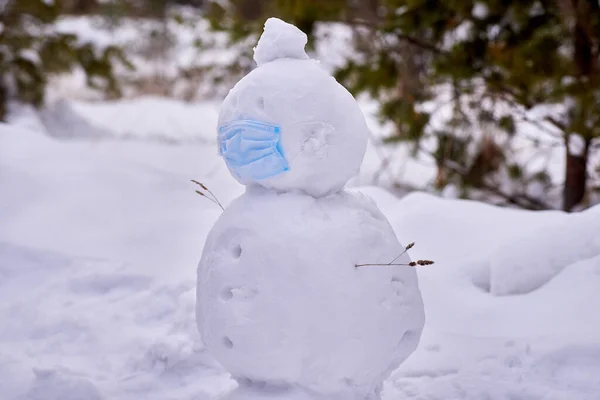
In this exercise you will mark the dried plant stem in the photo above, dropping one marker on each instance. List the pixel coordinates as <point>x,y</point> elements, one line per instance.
<point>208,198</point>
<point>212,196</point>
<point>407,248</point>
<point>391,263</point>
<point>410,264</point>
<point>379,265</point>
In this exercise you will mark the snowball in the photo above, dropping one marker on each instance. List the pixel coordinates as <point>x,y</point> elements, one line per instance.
<point>323,131</point>
<point>279,299</point>
<point>280,40</point>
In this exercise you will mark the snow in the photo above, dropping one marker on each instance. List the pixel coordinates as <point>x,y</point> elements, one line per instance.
<point>525,264</point>
<point>280,40</point>
<point>323,131</point>
<point>149,117</point>
<point>281,301</point>
<point>183,42</point>
<point>100,241</point>
<point>480,10</point>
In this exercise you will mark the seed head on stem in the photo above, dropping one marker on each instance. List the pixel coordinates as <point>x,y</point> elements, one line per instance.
<point>209,194</point>
<point>391,263</point>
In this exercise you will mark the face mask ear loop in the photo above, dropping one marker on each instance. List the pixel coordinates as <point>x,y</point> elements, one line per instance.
<point>280,147</point>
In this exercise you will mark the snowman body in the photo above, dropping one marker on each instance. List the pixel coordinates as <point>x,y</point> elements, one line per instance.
<point>280,301</point>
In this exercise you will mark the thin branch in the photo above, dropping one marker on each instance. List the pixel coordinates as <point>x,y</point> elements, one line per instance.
<point>212,197</point>
<point>208,198</point>
<point>407,248</point>
<point>391,263</point>
<point>505,95</point>
<point>399,35</point>
<point>419,43</point>
<point>410,264</point>
<point>556,123</point>
<point>521,200</point>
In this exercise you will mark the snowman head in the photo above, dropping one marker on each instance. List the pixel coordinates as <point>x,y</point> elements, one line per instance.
<point>288,125</point>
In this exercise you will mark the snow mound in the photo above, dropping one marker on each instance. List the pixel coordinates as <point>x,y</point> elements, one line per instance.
<point>61,114</point>
<point>532,260</point>
<point>280,40</point>
<point>280,299</point>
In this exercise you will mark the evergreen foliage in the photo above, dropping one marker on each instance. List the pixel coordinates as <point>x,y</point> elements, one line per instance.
<point>32,51</point>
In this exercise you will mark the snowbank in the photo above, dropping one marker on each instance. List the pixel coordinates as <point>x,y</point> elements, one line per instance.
<point>533,259</point>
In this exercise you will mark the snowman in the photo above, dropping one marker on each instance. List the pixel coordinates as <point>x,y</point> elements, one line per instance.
<point>280,301</point>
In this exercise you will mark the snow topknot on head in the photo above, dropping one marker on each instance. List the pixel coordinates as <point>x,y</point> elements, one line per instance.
<point>280,40</point>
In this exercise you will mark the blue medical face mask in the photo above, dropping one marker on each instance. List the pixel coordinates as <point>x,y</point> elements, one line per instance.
<point>252,149</point>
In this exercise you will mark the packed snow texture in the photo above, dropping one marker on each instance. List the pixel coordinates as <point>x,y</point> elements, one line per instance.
<point>280,40</point>
<point>323,131</point>
<point>281,301</point>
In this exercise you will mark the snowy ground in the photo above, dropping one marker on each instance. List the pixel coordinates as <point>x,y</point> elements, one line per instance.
<point>99,241</point>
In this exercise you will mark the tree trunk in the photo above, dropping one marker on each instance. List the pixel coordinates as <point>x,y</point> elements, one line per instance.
<point>3,102</point>
<point>575,177</point>
<point>585,63</point>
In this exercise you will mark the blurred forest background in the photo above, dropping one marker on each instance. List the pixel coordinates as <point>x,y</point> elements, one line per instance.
<point>490,90</point>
